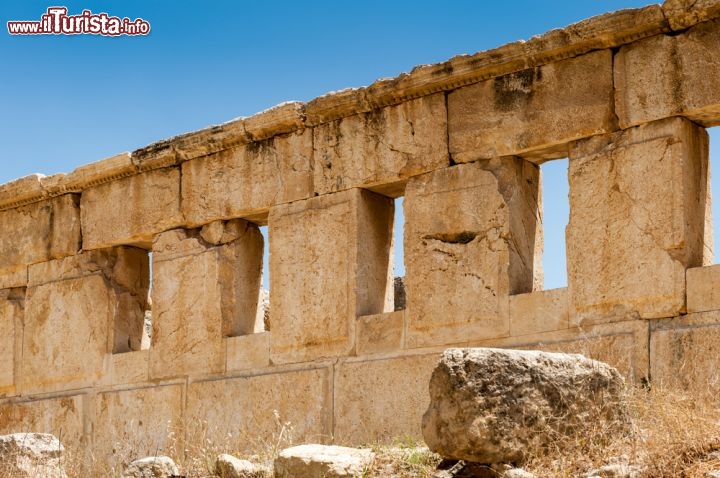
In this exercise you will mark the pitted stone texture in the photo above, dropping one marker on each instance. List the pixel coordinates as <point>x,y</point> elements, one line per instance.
<point>381,146</point>
<point>57,416</point>
<point>312,461</point>
<point>471,236</point>
<point>684,13</point>
<point>12,302</point>
<point>499,406</point>
<point>248,179</point>
<point>142,206</point>
<point>202,293</point>
<point>534,111</point>
<point>31,455</point>
<point>35,233</point>
<point>152,467</point>
<point>664,76</point>
<point>380,332</point>
<point>637,211</point>
<point>227,466</point>
<point>329,263</point>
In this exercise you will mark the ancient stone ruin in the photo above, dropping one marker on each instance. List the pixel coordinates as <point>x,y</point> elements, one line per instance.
<point>625,96</point>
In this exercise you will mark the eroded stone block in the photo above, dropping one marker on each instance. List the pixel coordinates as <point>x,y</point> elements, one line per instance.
<point>470,238</point>
<point>202,293</point>
<point>637,211</point>
<point>684,13</point>
<point>248,351</point>
<point>248,179</point>
<point>380,332</point>
<point>131,210</point>
<point>533,110</point>
<point>12,303</point>
<point>539,311</point>
<point>37,232</point>
<point>131,367</point>
<point>329,263</point>
<point>703,289</point>
<point>62,417</point>
<point>381,146</point>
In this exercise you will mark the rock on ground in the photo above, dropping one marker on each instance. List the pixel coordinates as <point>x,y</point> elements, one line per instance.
<point>312,461</point>
<point>498,406</point>
<point>31,455</point>
<point>152,467</point>
<point>228,466</point>
<point>615,471</point>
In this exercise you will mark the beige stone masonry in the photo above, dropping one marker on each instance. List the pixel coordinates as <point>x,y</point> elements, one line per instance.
<point>248,352</point>
<point>11,331</point>
<point>128,368</point>
<point>703,288</point>
<point>141,207</point>
<point>329,264</point>
<point>533,112</point>
<point>61,416</point>
<point>666,76</point>
<point>470,233</point>
<point>248,179</point>
<point>380,333</point>
<point>685,13</point>
<point>637,211</point>
<point>382,146</point>
<point>35,233</point>
<point>202,293</point>
<point>539,311</point>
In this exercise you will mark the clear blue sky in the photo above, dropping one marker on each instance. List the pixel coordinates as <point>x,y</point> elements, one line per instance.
<point>71,100</point>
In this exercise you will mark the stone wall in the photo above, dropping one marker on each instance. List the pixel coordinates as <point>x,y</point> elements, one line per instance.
<point>625,96</point>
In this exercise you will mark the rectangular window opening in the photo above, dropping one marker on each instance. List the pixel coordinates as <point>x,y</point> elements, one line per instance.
<point>711,227</point>
<point>554,216</point>
<point>262,317</point>
<point>398,256</point>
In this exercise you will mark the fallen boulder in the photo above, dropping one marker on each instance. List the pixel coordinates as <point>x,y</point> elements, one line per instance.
<point>152,467</point>
<point>31,455</point>
<point>312,461</point>
<point>228,466</point>
<point>498,406</point>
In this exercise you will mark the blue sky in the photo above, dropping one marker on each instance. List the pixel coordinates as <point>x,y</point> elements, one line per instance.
<point>71,100</point>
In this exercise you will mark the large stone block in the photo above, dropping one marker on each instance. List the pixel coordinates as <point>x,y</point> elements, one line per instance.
<point>539,311</point>
<point>534,111</point>
<point>470,238</point>
<point>12,303</point>
<point>381,147</point>
<point>202,293</point>
<point>378,400</point>
<point>329,263</point>
<point>248,352</point>
<point>703,288</point>
<point>684,13</point>
<point>665,76</point>
<point>380,333</point>
<point>35,233</point>
<point>131,210</point>
<point>637,211</point>
<point>293,405</point>
<point>62,417</point>
<point>248,179</point>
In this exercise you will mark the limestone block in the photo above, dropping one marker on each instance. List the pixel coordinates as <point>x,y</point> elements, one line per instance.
<point>329,263</point>
<point>684,351</point>
<point>539,311</point>
<point>29,455</point>
<point>131,210</point>
<point>62,417</point>
<point>202,293</point>
<point>533,110</point>
<point>328,461</point>
<point>665,76</point>
<point>684,13</point>
<point>470,238</point>
<point>248,179</point>
<point>703,289</point>
<point>248,351</point>
<point>637,211</point>
<point>37,232</point>
<point>131,367</point>
<point>380,332</point>
<point>11,331</point>
<point>152,466</point>
<point>381,146</point>
<point>246,413</point>
<point>140,422</point>
<point>227,466</point>
<point>378,400</point>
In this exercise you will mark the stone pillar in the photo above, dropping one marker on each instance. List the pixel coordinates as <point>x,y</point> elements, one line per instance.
<point>205,287</point>
<point>12,303</point>
<point>470,241</point>
<point>329,263</point>
<point>638,202</point>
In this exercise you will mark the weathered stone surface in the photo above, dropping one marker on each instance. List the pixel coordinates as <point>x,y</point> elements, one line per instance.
<point>539,311</point>
<point>283,118</point>
<point>380,332</point>
<point>131,367</point>
<point>37,232</point>
<point>286,404</point>
<point>665,76</point>
<point>61,417</point>
<point>143,206</point>
<point>470,233</point>
<point>31,455</point>
<point>227,466</point>
<point>329,263</point>
<point>368,405</point>
<point>141,421</point>
<point>248,179</point>
<point>382,146</point>
<point>534,110</point>
<point>311,461</point>
<point>202,293</point>
<point>683,353</point>
<point>637,211</point>
<point>248,351</point>
<point>12,303</point>
<point>152,467</point>
<point>703,288</point>
<point>684,13</point>
<point>499,406</point>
